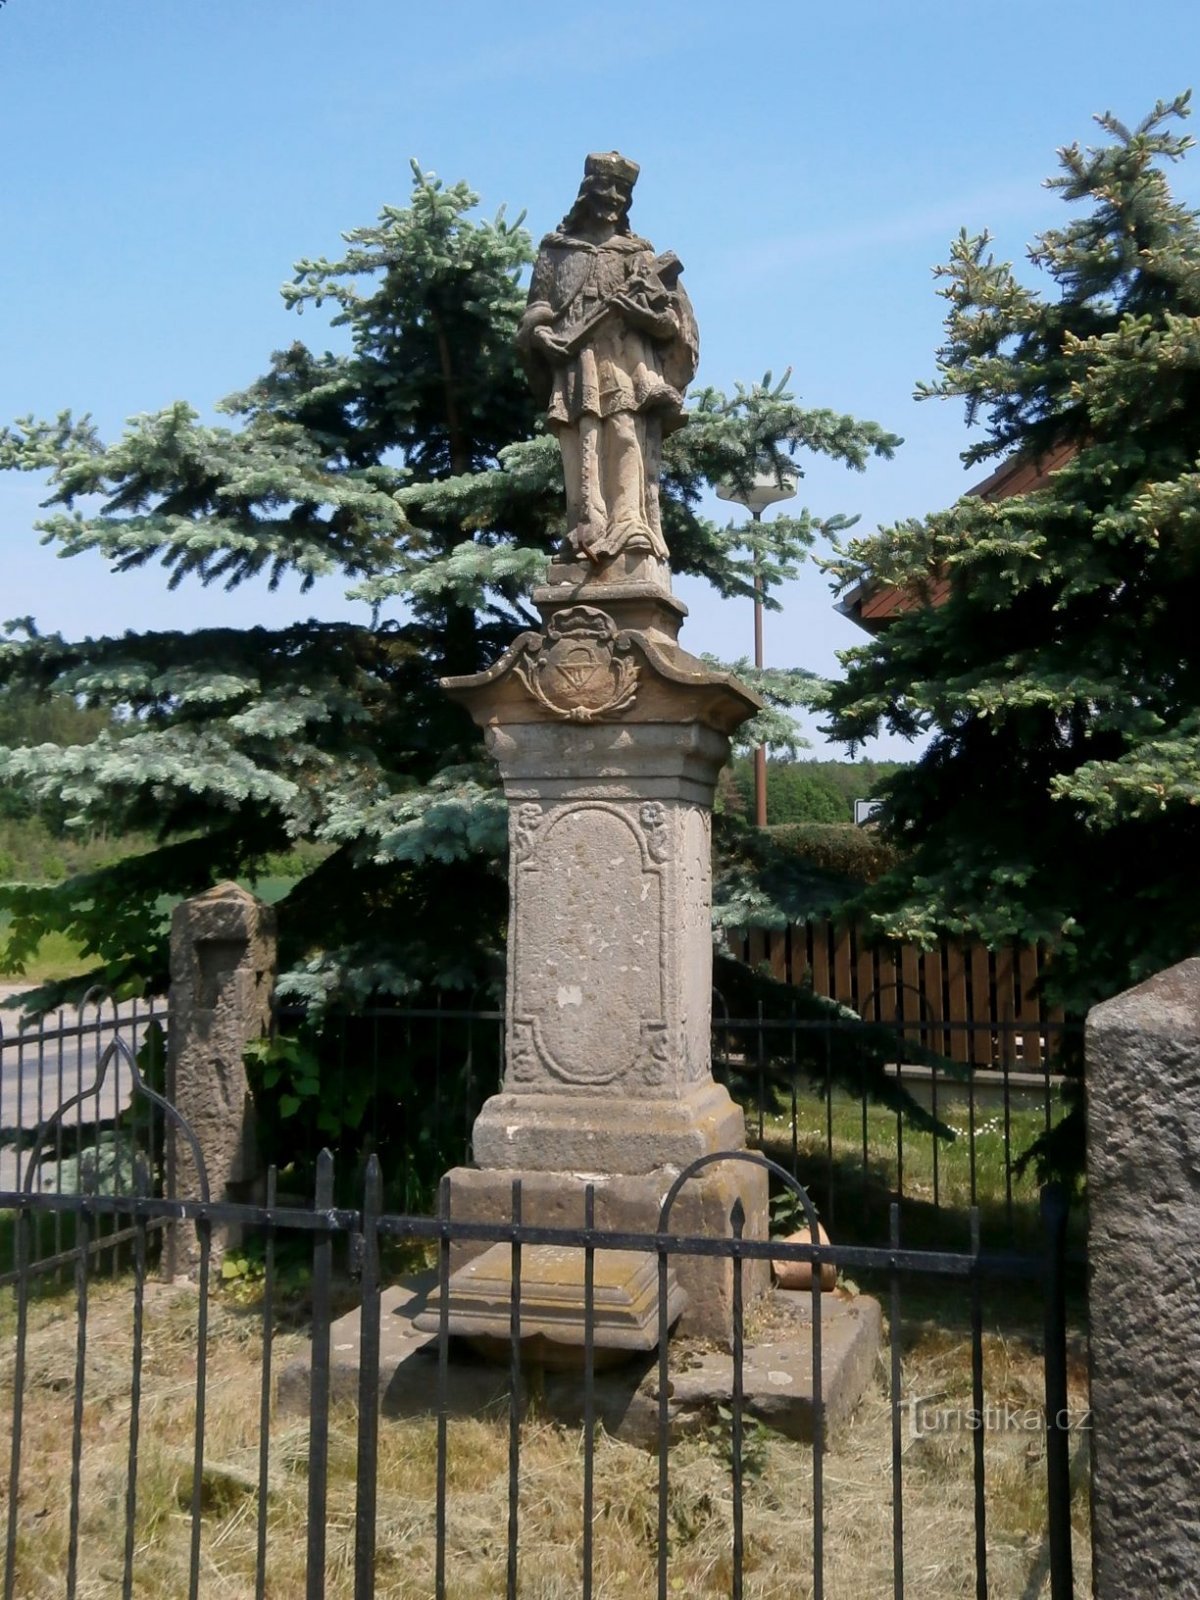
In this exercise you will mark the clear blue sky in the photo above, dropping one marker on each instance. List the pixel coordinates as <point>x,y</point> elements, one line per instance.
<point>166,163</point>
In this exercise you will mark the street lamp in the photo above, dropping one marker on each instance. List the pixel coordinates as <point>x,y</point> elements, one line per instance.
<point>764,489</point>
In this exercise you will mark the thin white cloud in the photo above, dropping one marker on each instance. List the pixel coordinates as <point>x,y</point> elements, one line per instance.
<point>936,222</point>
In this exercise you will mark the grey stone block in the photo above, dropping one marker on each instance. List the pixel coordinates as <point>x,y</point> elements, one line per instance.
<point>1143,1061</point>
<point>222,974</point>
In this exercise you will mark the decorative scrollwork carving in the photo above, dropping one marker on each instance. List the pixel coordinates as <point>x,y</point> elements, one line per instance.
<point>582,669</point>
<point>526,821</point>
<point>656,1054</point>
<point>654,824</point>
<point>524,1058</point>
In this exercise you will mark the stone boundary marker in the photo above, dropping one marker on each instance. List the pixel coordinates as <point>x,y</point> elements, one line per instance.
<point>1143,1063</point>
<point>222,974</point>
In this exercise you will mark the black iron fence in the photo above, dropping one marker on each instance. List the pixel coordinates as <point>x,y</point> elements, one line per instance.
<point>110,1477</point>
<point>367,1228</point>
<point>862,1113</point>
<point>865,1113</point>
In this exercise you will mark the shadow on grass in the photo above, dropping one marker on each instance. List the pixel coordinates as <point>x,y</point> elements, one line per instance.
<point>856,1210</point>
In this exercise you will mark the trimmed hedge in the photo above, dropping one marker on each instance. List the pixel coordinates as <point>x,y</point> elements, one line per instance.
<point>839,848</point>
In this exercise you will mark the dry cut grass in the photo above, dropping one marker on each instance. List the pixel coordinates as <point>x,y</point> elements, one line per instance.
<point>937,1482</point>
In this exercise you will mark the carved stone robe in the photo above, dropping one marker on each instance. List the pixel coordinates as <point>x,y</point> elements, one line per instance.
<point>614,371</point>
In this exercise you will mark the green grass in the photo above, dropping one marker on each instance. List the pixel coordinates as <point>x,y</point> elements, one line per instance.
<point>30,852</point>
<point>934,1335</point>
<point>60,956</point>
<point>937,1178</point>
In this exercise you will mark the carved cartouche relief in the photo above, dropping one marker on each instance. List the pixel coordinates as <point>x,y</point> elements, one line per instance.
<point>590,948</point>
<point>654,825</point>
<point>581,668</point>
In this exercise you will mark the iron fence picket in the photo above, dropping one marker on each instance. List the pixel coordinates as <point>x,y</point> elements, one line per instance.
<point>1008,1166</point>
<point>135,1400</point>
<point>895,1326</point>
<point>204,1239</point>
<point>21,1245</point>
<point>443,1383</point>
<point>368,1387</point>
<point>737,1223</point>
<point>1058,1434</point>
<point>829,1184</point>
<point>977,1415</point>
<point>514,1396</point>
<point>318,1416</point>
<point>264,1397</point>
<point>664,1423</point>
<point>589,1387</point>
<point>82,1232</point>
<point>818,1409</point>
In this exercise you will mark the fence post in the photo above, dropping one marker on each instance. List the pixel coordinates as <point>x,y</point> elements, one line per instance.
<point>1143,1073</point>
<point>222,974</point>
<point>1058,1424</point>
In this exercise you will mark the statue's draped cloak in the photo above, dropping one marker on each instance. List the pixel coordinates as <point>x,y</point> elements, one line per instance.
<point>617,368</point>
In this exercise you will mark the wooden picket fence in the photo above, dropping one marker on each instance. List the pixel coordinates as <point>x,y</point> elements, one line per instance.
<point>969,1003</point>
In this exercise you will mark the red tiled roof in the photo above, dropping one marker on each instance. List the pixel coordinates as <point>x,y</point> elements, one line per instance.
<point>873,604</point>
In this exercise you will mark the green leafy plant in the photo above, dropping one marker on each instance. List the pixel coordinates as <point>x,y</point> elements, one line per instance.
<point>288,1067</point>
<point>756,1439</point>
<point>788,1214</point>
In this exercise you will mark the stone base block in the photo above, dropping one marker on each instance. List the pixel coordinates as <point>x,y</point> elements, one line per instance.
<point>553,1302</point>
<point>627,1204</point>
<point>539,1132</point>
<point>777,1372</point>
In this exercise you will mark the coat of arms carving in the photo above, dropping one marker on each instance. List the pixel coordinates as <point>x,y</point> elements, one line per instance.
<point>581,669</point>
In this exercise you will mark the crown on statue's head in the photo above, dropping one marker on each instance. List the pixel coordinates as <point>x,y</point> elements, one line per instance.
<point>611,164</point>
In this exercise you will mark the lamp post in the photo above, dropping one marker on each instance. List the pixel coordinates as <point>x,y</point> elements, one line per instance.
<point>765,489</point>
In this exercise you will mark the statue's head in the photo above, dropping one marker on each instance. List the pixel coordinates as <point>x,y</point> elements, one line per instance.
<point>605,195</point>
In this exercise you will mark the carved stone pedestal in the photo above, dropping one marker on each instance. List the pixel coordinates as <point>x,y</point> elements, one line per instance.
<point>609,738</point>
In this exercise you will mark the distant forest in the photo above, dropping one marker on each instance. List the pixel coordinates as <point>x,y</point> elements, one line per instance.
<point>802,791</point>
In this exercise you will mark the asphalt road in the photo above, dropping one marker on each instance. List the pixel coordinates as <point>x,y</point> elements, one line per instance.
<point>41,1070</point>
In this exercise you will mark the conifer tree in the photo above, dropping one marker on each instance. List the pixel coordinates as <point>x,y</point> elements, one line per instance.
<point>413,464</point>
<point>1059,798</point>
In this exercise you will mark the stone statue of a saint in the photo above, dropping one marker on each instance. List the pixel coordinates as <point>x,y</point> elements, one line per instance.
<point>610,342</point>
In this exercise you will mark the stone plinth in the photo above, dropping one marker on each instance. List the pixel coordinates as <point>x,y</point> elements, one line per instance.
<point>777,1373</point>
<point>627,1203</point>
<point>624,1303</point>
<point>609,741</point>
<point>222,973</point>
<point>609,738</point>
<point>1143,1074</point>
